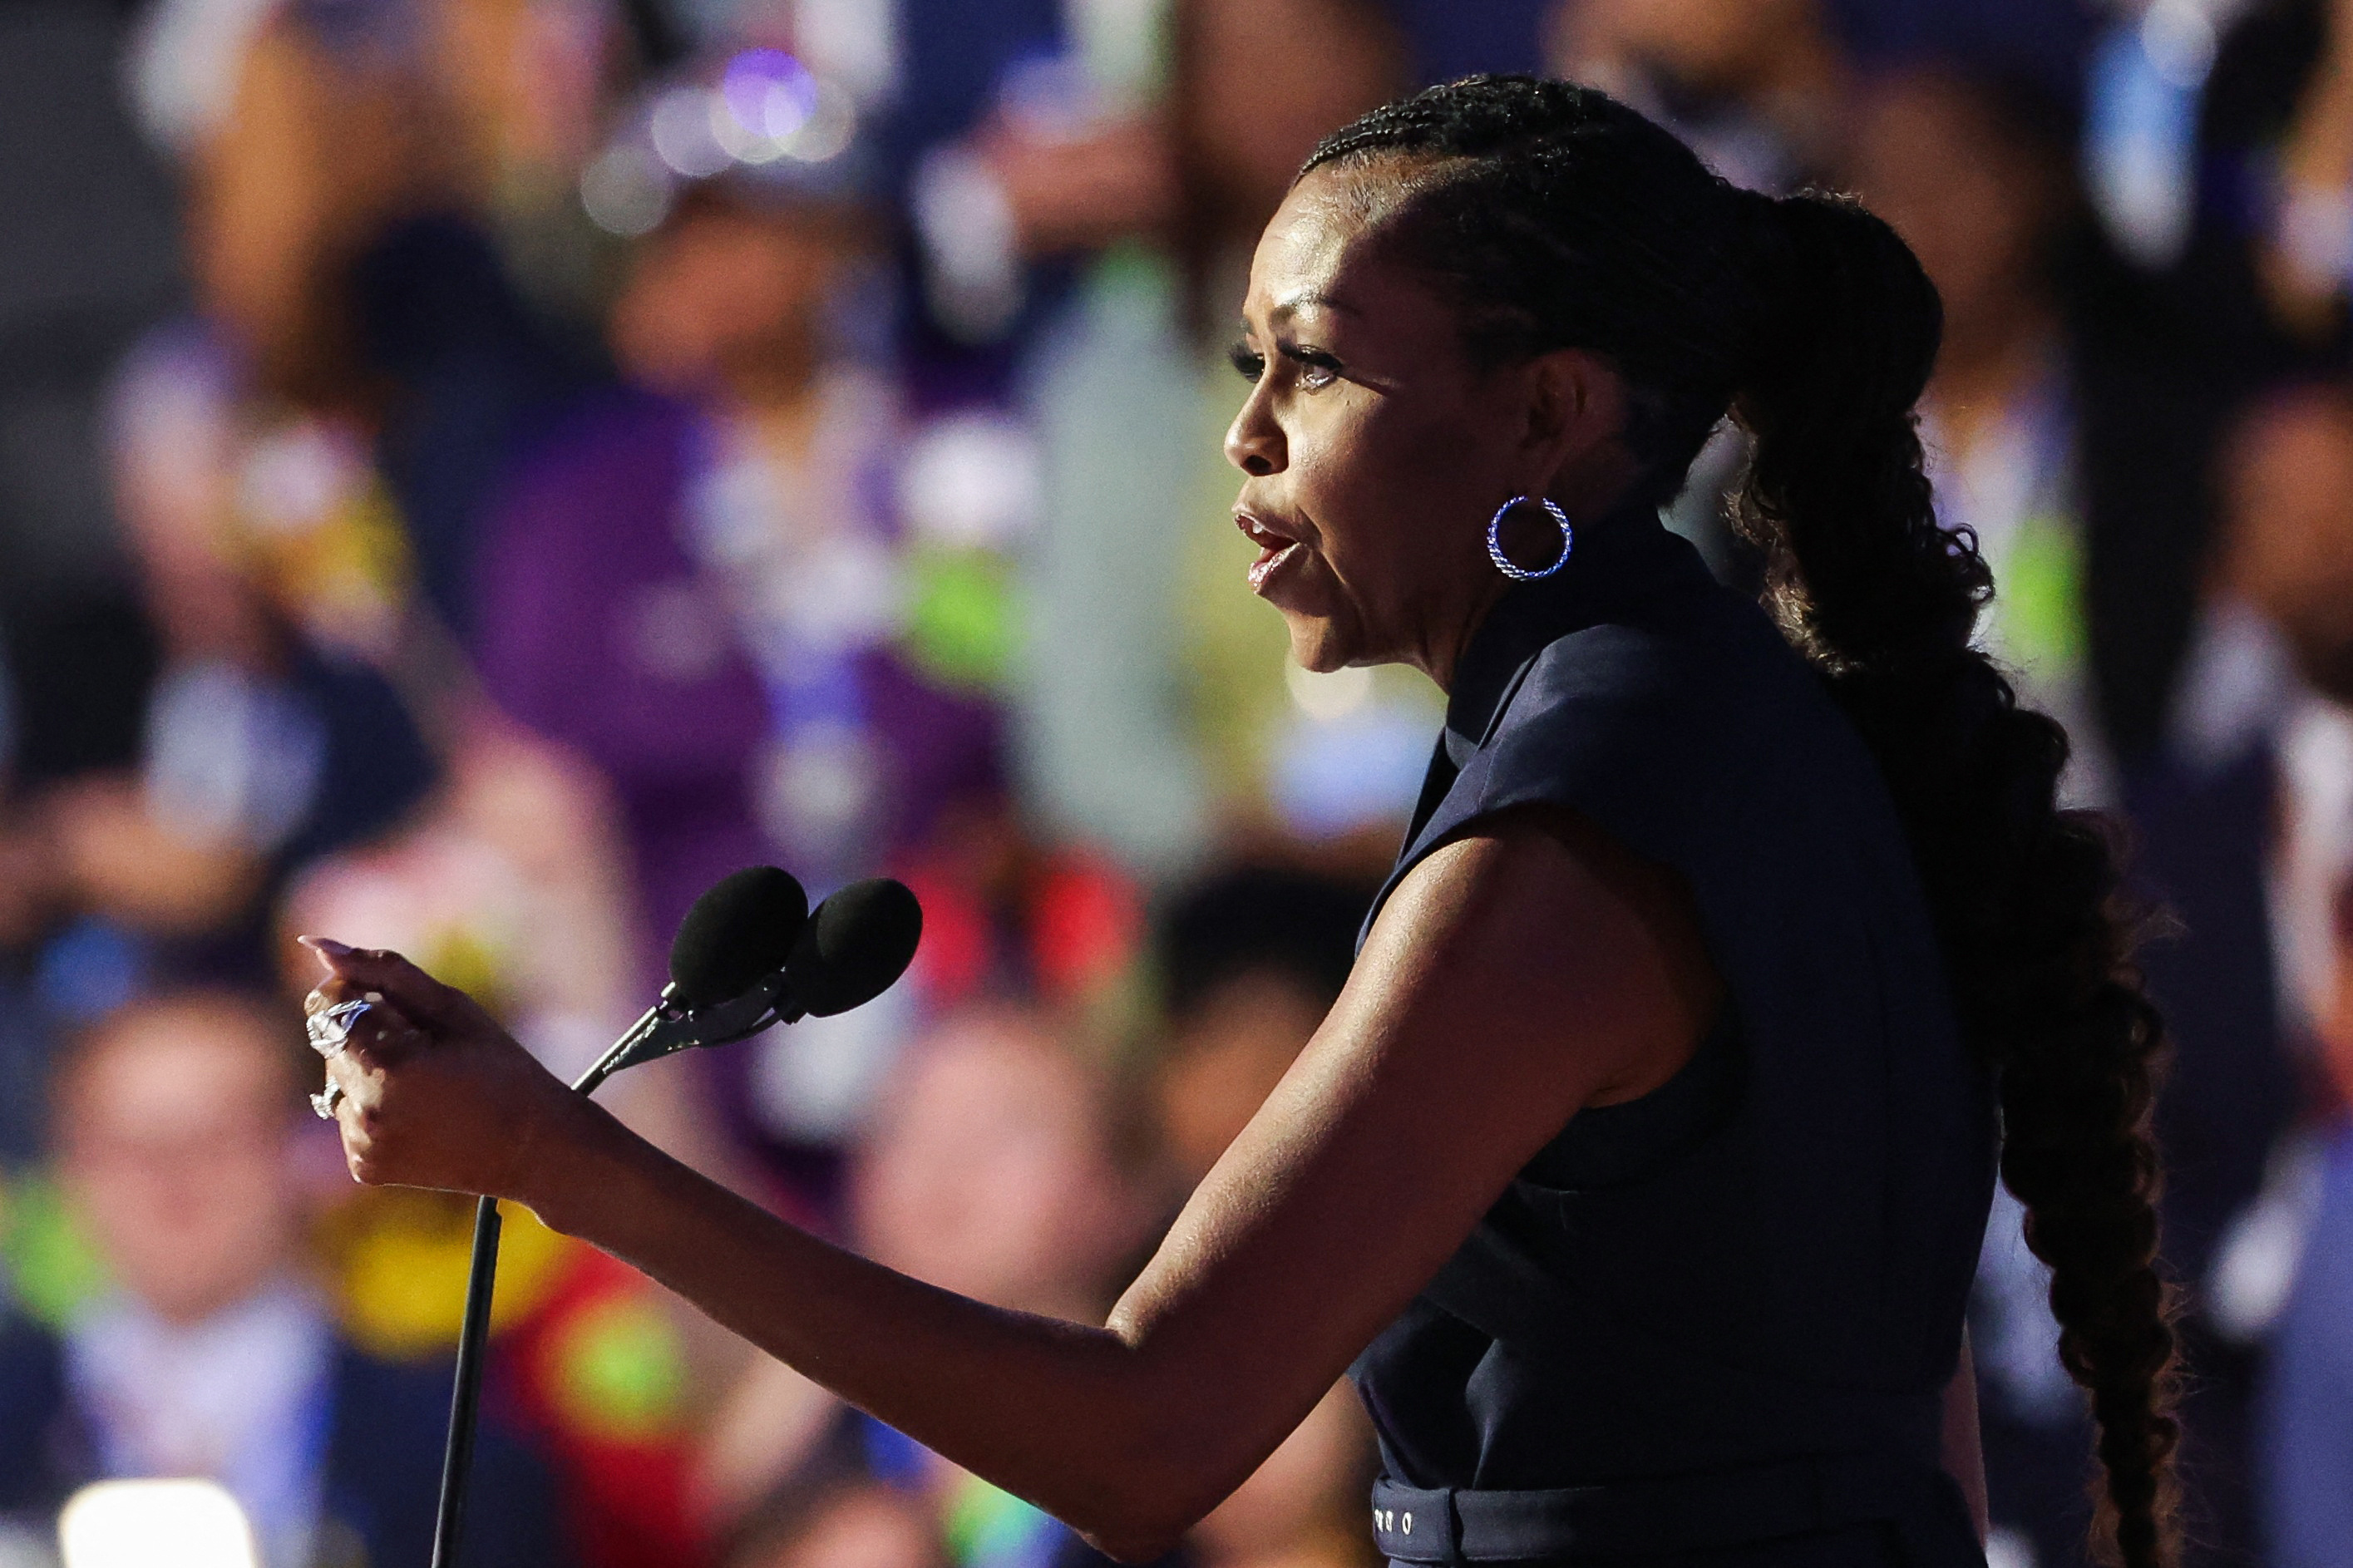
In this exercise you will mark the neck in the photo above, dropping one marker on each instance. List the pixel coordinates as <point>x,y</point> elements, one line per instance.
<point>1442,655</point>
<point>781,412</point>
<point>775,378</point>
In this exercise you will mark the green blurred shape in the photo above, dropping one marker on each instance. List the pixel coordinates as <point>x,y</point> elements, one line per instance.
<point>620,1370</point>
<point>986,1524</point>
<point>960,625</point>
<point>53,1270</point>
<point>2041,597</point>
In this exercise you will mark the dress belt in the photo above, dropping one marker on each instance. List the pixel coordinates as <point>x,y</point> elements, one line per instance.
<point>1682,1513</point>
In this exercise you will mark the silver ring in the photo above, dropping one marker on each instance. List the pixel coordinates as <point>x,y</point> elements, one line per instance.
<point>331,1028</point>
<point>326,1099</point>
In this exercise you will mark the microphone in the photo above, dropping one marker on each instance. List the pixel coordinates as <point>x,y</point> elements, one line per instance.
<point>749,953</point>
<point>853,949</point>
<point>726,969</point>
<point>736,933</point>
<point>746,958</point>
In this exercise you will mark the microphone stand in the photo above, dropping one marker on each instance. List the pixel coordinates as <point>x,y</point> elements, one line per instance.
<point>665,1027</point>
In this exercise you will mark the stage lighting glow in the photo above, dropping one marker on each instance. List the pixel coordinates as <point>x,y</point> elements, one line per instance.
<point>625,191</point>
<point>832,122</point>
<point>154,1524</point>
<point>769,94</point>
<point>681,125</point>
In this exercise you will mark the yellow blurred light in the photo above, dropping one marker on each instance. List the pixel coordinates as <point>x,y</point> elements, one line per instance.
<point>154,1524</point>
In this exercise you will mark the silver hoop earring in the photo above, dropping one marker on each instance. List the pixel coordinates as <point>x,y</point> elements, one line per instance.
<point>1504,563</point>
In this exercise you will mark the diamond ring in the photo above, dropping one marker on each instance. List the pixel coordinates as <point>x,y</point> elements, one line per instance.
<point>330,1028</point>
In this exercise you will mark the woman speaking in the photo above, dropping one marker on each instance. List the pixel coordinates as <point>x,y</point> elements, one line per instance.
<point>1639,1174</point>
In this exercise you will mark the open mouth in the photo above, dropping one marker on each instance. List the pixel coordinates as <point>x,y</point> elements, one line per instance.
<point>1273,549</point>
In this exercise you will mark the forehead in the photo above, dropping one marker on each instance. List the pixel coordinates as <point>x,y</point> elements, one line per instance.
<point>170,1064</point>
<point>993,1062</point>
<point>1321,249</point>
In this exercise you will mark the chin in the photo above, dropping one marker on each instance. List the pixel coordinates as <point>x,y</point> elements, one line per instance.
<point>1316,646</point>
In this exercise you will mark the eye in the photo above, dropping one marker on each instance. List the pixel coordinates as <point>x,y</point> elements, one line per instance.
<point>1249,366</point>
<point>1317,369</point>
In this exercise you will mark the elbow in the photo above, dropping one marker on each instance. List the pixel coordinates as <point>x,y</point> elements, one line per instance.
<point>1136,1549</point>
<point>1147,1517</point>
<point>1138,1538</point>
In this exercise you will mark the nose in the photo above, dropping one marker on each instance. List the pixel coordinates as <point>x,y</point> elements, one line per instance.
<point>1254,441</point>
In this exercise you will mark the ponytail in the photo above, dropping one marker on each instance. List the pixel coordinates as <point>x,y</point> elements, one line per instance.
<point>2026,895</point>
<point>1556,217</point>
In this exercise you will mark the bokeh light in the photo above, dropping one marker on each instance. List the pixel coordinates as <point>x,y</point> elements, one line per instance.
<point>154,1524</point>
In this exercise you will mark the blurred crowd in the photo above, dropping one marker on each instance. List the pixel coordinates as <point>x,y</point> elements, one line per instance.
<point>474,471</point>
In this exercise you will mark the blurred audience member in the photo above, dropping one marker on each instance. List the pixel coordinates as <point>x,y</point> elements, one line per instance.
<point>2304,252</point>
<point>177,756</point>
<point>1238,148</point>
<point>2288,556</point>
<point>773,611</point>
<point>1068,156</point>
<point>1250,959</point>
<point>1757,87</point>
<point>334,238</point>
<point>508,881</point>
<point>710,585</point>
<point>2213,147</point>
<point>2308,1440</point>
<point>1000,1165</point>
<point>177,1129</point>
<point>1974,171</point>
<point>995,1166</point>
<point>2249,841</point>
<point>272,735</point>
<point>2277,674</point>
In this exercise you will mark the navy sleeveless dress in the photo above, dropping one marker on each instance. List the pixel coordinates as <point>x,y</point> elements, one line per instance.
<point>1714,1324</point>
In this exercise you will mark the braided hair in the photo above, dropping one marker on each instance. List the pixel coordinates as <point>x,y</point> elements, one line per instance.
<point>1554,216</point>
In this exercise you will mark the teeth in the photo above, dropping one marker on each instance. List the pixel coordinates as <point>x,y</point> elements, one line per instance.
<point>1264,567</point>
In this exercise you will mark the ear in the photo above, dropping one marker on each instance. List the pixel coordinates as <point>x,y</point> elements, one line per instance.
<point>1576,405</point>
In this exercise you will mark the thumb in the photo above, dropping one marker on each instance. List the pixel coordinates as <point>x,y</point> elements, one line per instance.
<point>409,988</point>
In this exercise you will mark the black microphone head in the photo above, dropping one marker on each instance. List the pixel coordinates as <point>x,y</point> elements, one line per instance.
<point>858,941</point>
<point>736,935</point>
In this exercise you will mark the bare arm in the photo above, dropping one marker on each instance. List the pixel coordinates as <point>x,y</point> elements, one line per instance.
<point>1516,977</point>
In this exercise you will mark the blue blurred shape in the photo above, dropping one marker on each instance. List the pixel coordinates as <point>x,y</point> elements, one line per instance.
<point>90,969</point>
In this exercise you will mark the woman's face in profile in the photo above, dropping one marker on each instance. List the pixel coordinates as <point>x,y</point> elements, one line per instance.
<point>1373,451</point>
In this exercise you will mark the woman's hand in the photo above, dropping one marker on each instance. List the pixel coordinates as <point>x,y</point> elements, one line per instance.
<point>433,1092</point>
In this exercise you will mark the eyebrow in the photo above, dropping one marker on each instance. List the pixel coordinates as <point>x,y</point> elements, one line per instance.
<point>1299,302</point>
